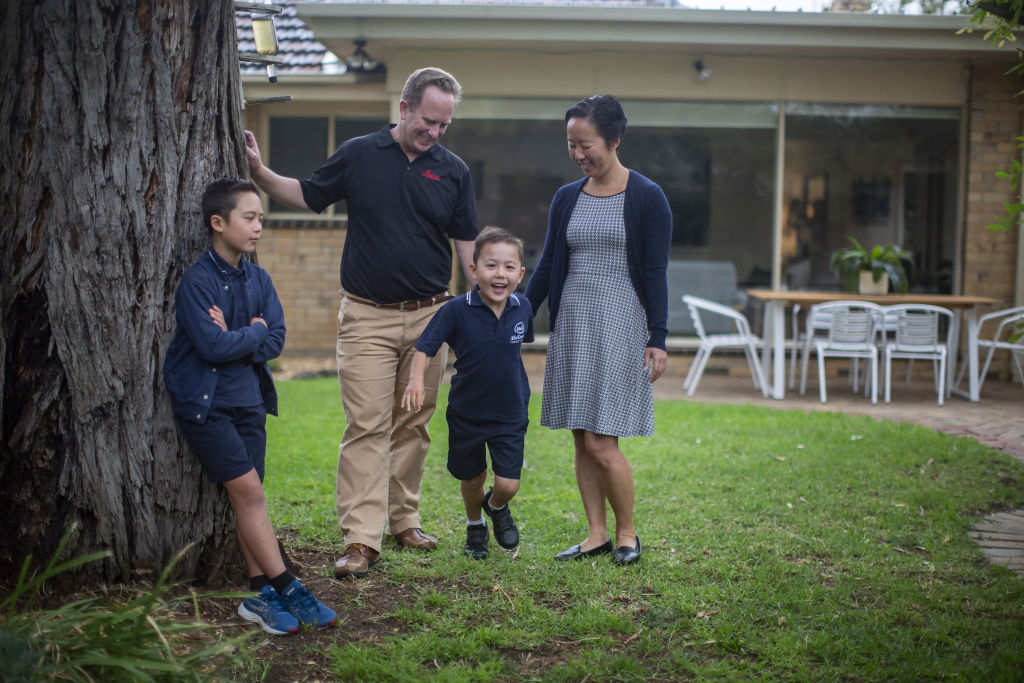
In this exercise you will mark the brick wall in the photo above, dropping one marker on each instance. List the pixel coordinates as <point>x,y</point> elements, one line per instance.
<point>989,265</point>
<point>990,257</point>
<point>303,258</point>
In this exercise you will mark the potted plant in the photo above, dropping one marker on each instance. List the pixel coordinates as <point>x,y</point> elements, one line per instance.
<point>870,272</point>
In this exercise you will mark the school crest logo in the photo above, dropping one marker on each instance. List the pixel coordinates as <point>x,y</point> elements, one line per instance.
<point>518,332</point>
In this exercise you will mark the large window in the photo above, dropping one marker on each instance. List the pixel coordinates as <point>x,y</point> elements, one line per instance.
<point>715,163</point>
<point>300,144</point>
<point>880,174</point>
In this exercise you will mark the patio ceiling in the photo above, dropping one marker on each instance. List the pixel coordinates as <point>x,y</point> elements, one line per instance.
<point>390,27</point>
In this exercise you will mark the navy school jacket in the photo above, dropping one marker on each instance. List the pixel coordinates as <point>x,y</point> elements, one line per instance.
<point>199,345</point>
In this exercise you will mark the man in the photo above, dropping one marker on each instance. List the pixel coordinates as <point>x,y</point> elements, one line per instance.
<point>406,196</point>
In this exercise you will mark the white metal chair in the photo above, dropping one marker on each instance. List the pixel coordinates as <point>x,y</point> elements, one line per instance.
<point>817,323</point>
<point>916,335</point>
<point>741,338</point>
<point>1008,319</point>
<point>815,328</point>
<point>852,334</point>
<point>887,333</point>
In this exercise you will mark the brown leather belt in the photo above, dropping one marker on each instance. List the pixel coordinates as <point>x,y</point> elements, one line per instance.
<point>410,305</point>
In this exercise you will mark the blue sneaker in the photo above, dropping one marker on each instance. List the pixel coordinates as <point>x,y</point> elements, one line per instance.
<point>267,610</point>
<point>307,609</point>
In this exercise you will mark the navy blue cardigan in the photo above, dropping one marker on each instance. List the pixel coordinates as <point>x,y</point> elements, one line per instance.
<point>199,345</point>
<point>648,222</point>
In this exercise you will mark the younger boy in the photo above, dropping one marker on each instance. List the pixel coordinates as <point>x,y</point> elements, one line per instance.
<point>490,393</point>
<point>229,324</point>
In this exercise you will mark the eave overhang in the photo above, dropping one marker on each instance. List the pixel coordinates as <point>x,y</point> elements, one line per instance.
<point>565,30</point>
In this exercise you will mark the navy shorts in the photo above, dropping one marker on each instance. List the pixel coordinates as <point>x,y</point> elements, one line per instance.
<point>231,442</point>
<point>467,437</point>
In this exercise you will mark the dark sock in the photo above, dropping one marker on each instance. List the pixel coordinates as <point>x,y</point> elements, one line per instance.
<point>281,582</point>
<point>256,583</point>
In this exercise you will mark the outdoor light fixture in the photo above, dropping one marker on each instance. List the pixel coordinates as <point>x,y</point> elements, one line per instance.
<point>703,70</point>
<point>265,35</point>
<point>360,61</point>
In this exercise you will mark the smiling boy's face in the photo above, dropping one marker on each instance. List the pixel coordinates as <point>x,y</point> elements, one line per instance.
<point>239,233</point>
<point>498,271</point>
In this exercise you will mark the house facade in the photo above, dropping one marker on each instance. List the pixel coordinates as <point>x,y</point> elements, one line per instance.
<point>776,136</point>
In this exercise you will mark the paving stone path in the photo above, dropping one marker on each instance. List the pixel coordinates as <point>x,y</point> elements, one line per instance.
<point>1001,537</point>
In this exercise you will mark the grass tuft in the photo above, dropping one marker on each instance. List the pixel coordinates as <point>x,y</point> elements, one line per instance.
<point>141,638</point>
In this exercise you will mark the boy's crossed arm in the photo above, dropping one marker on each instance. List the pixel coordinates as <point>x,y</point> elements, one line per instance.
<point>217,316</point>
<point>412,399</point>
<point>214,342</point>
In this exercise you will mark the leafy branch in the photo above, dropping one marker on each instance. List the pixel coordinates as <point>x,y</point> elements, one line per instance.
<point>1001,19</point>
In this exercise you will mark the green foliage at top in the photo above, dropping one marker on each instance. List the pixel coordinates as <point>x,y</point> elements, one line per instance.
<point>847,263</point>
<point>778,545</point>
<point>1000,19</point>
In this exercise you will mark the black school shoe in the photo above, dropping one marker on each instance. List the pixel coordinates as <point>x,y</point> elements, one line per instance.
<point>505,531</point>
<point>627,555</point>
<point>476,541</point>
<point>575,553</point>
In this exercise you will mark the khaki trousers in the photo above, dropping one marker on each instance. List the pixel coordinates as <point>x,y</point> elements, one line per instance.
<point>384,448</point>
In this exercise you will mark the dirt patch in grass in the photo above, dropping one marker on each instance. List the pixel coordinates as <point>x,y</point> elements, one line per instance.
<point>363,605</point>
<point>364,608</point>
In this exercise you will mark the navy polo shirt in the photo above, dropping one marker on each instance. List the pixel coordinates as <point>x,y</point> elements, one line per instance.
<point>400,215</point>
<point>490,381</point>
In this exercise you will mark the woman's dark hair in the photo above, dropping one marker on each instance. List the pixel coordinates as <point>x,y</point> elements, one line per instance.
<point>221,197</point>
<point>605,112</point>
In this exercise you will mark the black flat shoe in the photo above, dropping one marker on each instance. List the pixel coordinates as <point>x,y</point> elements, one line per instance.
<point>626,555</point>
<point>575,553</point>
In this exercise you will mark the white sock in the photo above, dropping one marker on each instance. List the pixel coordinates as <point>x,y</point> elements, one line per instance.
<point>479,522</point>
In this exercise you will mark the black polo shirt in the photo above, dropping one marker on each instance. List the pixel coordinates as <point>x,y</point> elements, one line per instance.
<point>490,381</point>
<point>400,215</point>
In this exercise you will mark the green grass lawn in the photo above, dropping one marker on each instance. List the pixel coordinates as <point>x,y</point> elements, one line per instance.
<point>777,544</point>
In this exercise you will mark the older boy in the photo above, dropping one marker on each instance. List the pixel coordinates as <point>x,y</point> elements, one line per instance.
<point>229,324</point>
<point>490,392</point>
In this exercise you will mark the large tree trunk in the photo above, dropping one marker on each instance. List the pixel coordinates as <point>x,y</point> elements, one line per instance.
<point>114,115</point>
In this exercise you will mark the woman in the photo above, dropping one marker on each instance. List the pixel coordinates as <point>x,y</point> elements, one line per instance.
<point>603,274</point>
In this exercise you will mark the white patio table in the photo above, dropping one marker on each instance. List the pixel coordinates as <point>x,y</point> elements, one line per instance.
<point>773,358</point>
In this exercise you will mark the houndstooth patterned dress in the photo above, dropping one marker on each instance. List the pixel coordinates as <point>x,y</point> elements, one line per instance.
<point>594,377</point>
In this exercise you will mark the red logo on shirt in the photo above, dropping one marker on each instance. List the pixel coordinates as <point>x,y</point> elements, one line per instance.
<point>432,176</point>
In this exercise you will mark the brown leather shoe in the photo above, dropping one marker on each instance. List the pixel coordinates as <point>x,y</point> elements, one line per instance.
<point>355,562</point>
<point>415,539</point>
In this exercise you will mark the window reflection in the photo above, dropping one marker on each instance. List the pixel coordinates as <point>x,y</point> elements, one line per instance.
<point>883,175</point>
<point>718,181</point>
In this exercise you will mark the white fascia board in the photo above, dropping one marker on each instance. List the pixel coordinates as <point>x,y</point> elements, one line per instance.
<point>570,28</point>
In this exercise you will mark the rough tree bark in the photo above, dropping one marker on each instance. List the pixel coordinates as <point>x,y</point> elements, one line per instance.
<point>120,113</point>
